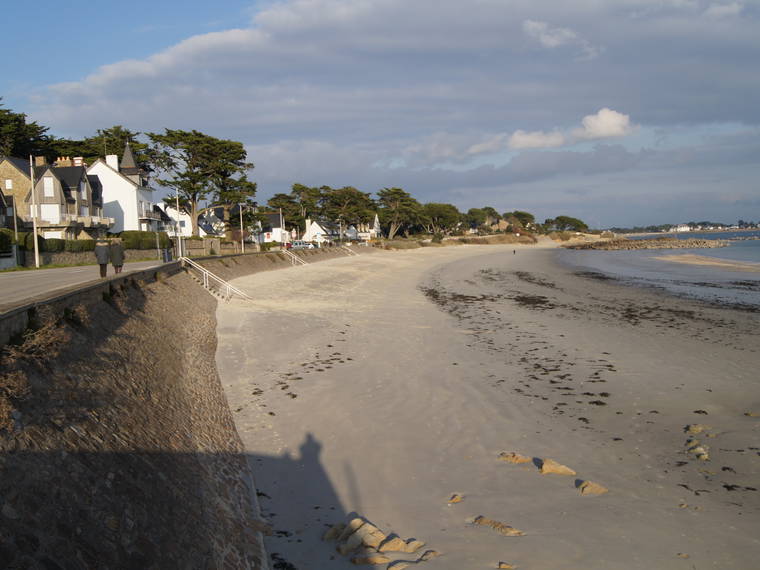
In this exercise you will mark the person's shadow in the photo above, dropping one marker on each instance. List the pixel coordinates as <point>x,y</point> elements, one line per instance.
<point>300,503</point>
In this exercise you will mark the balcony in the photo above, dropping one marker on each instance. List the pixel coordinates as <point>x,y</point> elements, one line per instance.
<point>63,220</point>
<point>150,216</point>
<point>95,221</point>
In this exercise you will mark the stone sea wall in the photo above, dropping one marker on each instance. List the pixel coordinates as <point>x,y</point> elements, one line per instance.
<point>658,243</point>
<point>117,446</point>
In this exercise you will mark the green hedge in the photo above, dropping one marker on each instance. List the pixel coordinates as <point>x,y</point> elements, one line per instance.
<point>143,240</point>
<point>6,240</point>
<point>54,245</point>
<point>78,245</point>
<point>26,241</point>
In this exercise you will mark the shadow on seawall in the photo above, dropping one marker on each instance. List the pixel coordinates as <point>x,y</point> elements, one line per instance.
<point>117,447</point>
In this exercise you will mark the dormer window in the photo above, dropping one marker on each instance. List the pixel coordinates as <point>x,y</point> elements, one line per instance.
<point>47,187</point>
<point>82,190</point>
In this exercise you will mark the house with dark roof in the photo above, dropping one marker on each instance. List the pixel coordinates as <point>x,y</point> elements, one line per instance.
<point>209,223</point>
<point>128,197</point>
<point>65,201</point>
<point>15,184</point>
<point>273,229</point>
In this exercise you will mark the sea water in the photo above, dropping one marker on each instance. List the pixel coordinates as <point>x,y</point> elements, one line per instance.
<point>710,283</point>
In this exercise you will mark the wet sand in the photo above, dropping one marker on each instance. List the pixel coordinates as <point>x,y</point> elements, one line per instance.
<point>729,265</point>
<point>382,385</point>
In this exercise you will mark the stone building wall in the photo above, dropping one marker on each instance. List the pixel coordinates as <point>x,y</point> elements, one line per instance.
<point>83,257</point>
<point>21,186</point>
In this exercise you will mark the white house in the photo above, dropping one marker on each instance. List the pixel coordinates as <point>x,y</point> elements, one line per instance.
<point>273,229</point>
<point>185,225</point>
<point>127,197</point>
<point>209,224</point>
<point>367,232</point>
<point>319,232</point>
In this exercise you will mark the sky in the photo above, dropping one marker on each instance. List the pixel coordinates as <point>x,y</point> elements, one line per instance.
<point>617,112</point>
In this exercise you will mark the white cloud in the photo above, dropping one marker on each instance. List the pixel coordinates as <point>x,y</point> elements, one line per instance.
<point>724,10</point>
<point>551,38</point>
<point>490,144</point>
<point>536,139</point>
<point>604,124</point>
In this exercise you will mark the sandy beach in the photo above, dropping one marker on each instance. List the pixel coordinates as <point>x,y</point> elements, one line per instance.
<point>384,384</point>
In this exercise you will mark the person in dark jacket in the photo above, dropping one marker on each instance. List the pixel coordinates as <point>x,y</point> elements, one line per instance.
<point>103,255</point>
<point>117,255</point>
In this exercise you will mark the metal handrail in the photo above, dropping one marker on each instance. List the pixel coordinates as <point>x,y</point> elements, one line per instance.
<point>208,277</point>
<point>294,259</point>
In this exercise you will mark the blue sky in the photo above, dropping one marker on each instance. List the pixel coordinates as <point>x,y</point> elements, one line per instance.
<point>619,112</point>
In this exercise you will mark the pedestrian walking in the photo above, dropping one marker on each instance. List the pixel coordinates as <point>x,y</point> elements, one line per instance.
<point>117,255</point>
<point>103,255</point>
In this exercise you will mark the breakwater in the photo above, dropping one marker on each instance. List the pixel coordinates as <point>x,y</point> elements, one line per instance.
<point>117,446</point>
<point>658,243</point>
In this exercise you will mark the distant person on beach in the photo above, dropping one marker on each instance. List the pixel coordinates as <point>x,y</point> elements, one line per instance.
<point>117,255</point>
<point>514,252</point>
<point>103,255</point>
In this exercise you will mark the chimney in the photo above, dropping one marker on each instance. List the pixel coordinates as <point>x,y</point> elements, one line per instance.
<point>40,161</point>
<point>63,161</point>
<point>113,161</point>
<point>78,161</point>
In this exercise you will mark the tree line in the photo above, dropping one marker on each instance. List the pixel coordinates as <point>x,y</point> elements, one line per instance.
<point>400,213</point>
<point>206,172</point>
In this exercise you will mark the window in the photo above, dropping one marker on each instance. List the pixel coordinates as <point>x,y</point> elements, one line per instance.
<point>83,190</point>
<point>8,184</point>
<point>47,185</point>
<point>9,211</point>
<point>85,211</point>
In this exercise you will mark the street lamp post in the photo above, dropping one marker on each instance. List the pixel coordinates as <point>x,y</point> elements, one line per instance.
<point>34,215</point>
<point>176,228</point>
<point>242,232</point>
<point>15,219</point>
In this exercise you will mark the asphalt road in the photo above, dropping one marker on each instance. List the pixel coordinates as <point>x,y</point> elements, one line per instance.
<point>16,287</point>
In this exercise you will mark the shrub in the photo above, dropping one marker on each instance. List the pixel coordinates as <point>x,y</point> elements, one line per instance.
<point>130,239</point>
<point>77,245</point>
<point>6,240</point>
<point>147,241</point>
<point>28,241</point>
<point>54,245</point>
<point>437,237</point>
<point>133,239</point>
